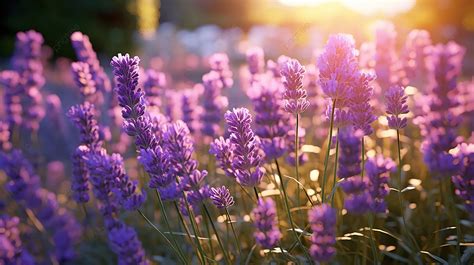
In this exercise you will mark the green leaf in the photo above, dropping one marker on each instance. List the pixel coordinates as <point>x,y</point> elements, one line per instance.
<point>409,188</point>
<point>438,259</point>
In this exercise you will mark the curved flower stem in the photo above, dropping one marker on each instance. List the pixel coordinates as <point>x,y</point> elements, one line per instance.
<point>326,159</point>
<point>297,161</point>
<point>237,242</point>
<point>372,238</point>
<point>256,193</point>
<point>183,259</point>
<point>400,197</point>
<point>287,207</point>
<point>186,228</point>
<point>224,252</point>
<point>333,192</point>
<point>208,231</point>
<point>362,148</point>
<point>195,229</point>
<point>167,223</point>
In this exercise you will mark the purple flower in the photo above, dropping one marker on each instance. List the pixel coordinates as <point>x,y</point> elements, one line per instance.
<point>83,117</point>
<point>221,197</point>
<point>84,81</point>
<point>213,104</point>
<point>223,150</point>
<point>295,95</point>
<point>271,120</point>
<point>125,243</point>
<point>11,249</point>
<point>360,109</point>
<point>13,90</point>
<point>80,176</point>
<point>154,84</point>
<point>358,199</point>
<point>416,55</point>
<point>385,55</point>
<point>190,109</point>
<point>322,219</point>
<point>338,67</point>
<point>349,153</point>
<point>86,54</point>
<point>255,60</point>
<point>24,187</point>
<point>247,163</point>
<point>5,144</point>
<point>464,179</point>
<point>265,220</point>
<point>396,106</point>
<point>219,63</point>
<point>378,171</point>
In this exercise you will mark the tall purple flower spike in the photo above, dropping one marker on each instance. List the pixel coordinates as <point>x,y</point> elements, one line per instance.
<point>385,56</point>
<point>322,219</point>
<point>255,60</point>
<point>248,162</point>
<point>223,150</point>
<point>396,106</point>
<point>265,220</point>
<point>125,243</point>
<point>295,96</point>
<point>361,112</point>
<point>11,247</point>
<point>338,67</point>
<point>221,197</point>
<point>219,63</point>
<point>154,84</point>
<point>378,171</point>
<point>464,179</point>
<point>213,104</point>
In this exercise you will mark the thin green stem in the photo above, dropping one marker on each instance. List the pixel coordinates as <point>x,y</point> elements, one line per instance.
<point>167,223</point>
<point>297,162</point>
<point>186,228</point>
<point>456,220</point>
<point>208,231</point>
<point>287,207</point>
<point>372,238</point>
<point>237,242</point>
<point>256,193</point>
<point>326,159</point>
<point>362,147</point>
<point>224,252</point>
<point>335,169</point>
<point>163,235</point>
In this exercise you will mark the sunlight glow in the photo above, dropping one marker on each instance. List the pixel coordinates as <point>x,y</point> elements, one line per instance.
<point>367,7</point>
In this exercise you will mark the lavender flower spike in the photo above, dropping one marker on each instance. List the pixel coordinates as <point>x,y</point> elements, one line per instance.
<point>295,95</point>
<point>11,249</point>
<point>221,197</point>
<point>125,243</point>
<point>265,219</point>
<point>338,67</point>
<point>222,149</point>
<point>322,219</point>
<point>361,112</point>
<point>464,179</point>
<point>378,171</point>
<point>247,163</point>
<point>396,106</point>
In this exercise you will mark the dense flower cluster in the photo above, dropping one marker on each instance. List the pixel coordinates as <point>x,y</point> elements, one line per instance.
<point>385,56</point>
<point>265,220</point>
<point>396,106</point>
<point>378,171</point>
<point>361,112</point>
<point>464,179</point>
<point>213,104</point>
<point>322,219</point>
<point>295,95</point>
<point>221,197</point>
<point>11,249</point>
<point>154,84</point>
<point>219,63</point>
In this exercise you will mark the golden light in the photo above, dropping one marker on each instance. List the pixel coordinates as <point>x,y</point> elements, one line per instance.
<point>367,7</point>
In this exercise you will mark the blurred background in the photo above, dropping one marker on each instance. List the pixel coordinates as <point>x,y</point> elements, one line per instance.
<point>151,26</point>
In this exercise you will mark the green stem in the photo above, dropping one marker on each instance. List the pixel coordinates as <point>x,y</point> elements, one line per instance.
<point>456,220</point>
<point>237,242</point>
<point>256,193</point>
<point>372,241</point>
<point>287,207</point>
<point>326,159</point>
<point>195,229</point>
<point>362,147</point>
<point>208,231</point>
<point>186,228</point>
<point>167,223</point>
<point>297,162</point>
<point>224,252</point>
<point>163,235</point>
<point>335,169</point>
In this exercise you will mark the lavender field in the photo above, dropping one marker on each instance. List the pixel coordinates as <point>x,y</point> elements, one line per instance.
<point>202,147</point>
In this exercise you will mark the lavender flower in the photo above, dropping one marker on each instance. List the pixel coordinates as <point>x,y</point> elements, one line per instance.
<point>80,176</point>
<point>385,57</point>
<point>349,154</point>
<point>84,81</point>
<point>360,109</point>
<point>213,104</point>
<point>10,80</point>
<point>271,120</point>
<point>221,197</point>
<point>11,249</point>
<point>295,95</point>
<point>24,187</point>
<point>154,84</point>
<point>219,63</point>
<point>86,54</point>
<point>83,118</point>
<point>247,163</point>
<point>396,106</point>
<point>255,60</point>
<point>378,171</point>
<point>265,220</point>
<point>223,150</point>
<point>125,243</point>
<point>464,179</point>
<point>190,109</point>
<point>5,144</point>
<point>322,219</point>
<point>358,199</point>
<point>416,56</point>
<point>338,67</point>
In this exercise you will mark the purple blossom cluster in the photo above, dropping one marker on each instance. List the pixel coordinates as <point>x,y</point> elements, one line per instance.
<point>295,97</point>
<point>154,85</point>
<point>221,197</point>
<point>464,179</point>
<point>11,248</point>
<point>396,106</point>
<point>378,171</point>
<point>219,63</point>
<point>213,104</point>
<point>265,220</point>
<point>322,219</point>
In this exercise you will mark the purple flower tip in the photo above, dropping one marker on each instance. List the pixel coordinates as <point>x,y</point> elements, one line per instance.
<point>221,197</point>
